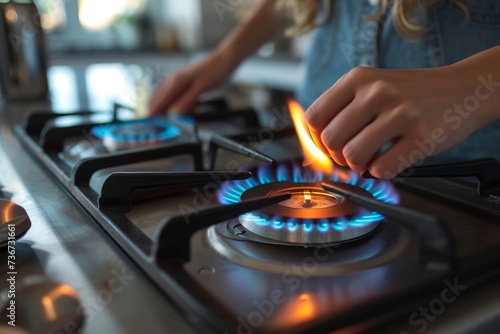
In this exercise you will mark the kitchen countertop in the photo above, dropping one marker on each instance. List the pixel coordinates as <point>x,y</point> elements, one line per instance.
<point>280,71</point>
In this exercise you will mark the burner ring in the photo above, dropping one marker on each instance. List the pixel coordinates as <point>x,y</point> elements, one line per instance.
<point>311,216</point>
<point>136,133</point>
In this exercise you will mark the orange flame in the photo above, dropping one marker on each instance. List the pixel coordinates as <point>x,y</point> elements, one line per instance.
<point>298,310</point>
<point>313,156</point>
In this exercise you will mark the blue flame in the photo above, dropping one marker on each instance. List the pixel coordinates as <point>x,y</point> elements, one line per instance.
<point>381,190</point>
<point>149,130</point>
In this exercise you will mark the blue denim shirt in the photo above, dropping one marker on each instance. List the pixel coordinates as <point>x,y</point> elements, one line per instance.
<point>348,40</point>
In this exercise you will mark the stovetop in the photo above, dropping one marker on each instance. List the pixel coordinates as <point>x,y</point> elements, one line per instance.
<point>65,245</point>
<point>160,204</point>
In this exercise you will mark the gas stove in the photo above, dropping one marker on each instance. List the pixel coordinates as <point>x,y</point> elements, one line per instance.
<point>221,216</point>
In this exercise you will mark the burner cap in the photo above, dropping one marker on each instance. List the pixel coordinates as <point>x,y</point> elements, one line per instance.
<point>309,200</point>
<point>136,133</point>
<point>310,216</point>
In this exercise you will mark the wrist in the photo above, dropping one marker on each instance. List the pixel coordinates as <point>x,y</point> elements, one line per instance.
<point>228,56</point>
<point>481,80</point>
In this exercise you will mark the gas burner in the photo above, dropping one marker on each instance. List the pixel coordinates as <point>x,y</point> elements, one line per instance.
<point>309,200</point>
<point>135,134</point>
<point>74,151</point>
<point>311,215</point>
<point>309,205</point>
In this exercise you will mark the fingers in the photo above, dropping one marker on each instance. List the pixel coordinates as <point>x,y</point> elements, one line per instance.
<point>171,88</point>
<point>349,122</point>
<point>186,102</point>
<point>400,156</point>
<point>179,92</point>
<point>327,106</point>
<point>364,146</point>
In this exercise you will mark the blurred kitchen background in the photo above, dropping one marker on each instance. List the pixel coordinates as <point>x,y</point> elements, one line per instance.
<point>103,51</point>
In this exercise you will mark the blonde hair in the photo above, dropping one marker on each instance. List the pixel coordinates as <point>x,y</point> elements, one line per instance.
<point>305,14</point>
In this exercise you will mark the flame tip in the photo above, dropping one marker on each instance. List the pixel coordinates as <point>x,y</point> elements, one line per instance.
<point>314,157</point>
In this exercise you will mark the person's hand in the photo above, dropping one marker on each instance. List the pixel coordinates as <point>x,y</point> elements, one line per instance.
<point>179,91</point>
<point>421,112</point>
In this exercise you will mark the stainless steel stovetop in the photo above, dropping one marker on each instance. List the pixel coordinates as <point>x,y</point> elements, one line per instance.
<point>185,263</point>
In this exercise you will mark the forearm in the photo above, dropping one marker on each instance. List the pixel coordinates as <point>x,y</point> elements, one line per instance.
<point>262,26</point>
<point>482,71</point>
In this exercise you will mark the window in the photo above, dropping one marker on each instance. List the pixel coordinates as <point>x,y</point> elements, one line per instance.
<point>52,14</point>
<point>98,14</point>
<point>88,25</point>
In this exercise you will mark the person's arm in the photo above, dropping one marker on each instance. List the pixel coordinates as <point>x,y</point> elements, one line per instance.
<point>422,112</point>
<point>180,90</point>
<point>263,25</point>
<point>483,71</point>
